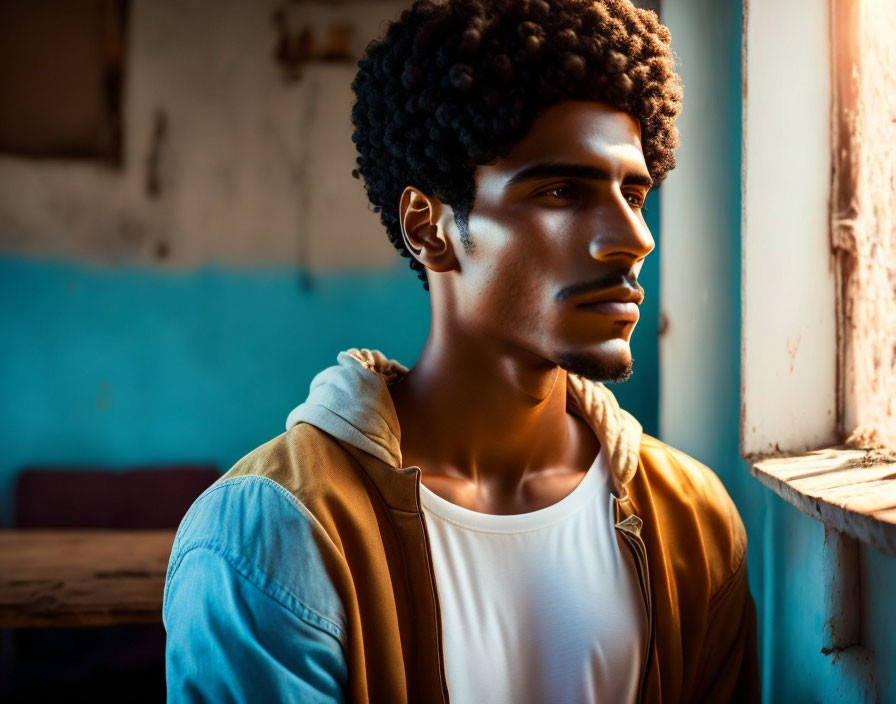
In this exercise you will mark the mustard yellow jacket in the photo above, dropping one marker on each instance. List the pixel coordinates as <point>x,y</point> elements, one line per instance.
<point>305,573</point>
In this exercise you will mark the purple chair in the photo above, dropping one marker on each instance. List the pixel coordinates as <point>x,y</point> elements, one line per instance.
<point>106,664</point>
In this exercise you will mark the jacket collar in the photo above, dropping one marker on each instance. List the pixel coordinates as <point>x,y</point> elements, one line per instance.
<point>351,401</point>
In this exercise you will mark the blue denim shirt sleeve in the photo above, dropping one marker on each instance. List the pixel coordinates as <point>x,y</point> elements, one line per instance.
<point>250,613</point>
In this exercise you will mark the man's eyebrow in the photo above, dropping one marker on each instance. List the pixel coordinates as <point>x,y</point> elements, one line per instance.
<point>554,169</point>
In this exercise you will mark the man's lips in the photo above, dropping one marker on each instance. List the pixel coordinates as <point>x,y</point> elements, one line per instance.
<point>621,310</point>
<point>620,302</point>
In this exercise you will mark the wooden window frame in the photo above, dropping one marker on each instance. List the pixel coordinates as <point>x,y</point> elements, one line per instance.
<point>800,397</point>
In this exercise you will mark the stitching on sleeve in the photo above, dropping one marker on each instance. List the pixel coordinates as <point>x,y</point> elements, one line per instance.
<point>282,491</point>
<point>279,488</point>
<point>272,589</point>
<point>184,545</point>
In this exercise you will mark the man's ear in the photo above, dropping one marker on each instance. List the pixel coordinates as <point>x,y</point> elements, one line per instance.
<point>421,217</point>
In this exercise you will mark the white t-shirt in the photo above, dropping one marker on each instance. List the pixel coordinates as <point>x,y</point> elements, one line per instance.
<point>538,607</point>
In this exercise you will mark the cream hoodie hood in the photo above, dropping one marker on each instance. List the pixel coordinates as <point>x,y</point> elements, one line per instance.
<point>351,402</point>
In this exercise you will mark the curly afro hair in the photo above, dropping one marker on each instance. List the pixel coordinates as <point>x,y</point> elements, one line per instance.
<point>456,83</point>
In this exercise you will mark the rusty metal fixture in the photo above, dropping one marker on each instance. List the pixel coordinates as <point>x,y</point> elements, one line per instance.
<point>296,46</point>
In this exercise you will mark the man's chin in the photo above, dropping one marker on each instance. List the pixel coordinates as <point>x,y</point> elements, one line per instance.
<point>615,368</point>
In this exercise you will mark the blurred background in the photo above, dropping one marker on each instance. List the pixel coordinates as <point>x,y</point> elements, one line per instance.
<point>183,247</point>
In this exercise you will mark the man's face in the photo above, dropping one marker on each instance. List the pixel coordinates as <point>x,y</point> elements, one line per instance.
<point>556,225</point>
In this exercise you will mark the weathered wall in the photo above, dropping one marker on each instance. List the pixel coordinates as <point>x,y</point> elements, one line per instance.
<point>227,157</point>
<point>786,554</point>
<point>177,309</point>
<point>864,217</point>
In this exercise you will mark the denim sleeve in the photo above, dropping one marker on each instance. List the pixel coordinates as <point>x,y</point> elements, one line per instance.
<point>249,612</point>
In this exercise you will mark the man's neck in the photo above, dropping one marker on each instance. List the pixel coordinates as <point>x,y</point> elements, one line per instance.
<point>490,423</point>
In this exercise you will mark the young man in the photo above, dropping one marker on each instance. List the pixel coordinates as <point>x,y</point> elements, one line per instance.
<point>489,524</point>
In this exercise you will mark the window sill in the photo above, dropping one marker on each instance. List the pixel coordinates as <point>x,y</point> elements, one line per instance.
<point>853,491</point>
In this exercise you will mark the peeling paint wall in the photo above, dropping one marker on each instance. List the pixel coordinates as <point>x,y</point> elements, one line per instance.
<point>237,146</point>
<point>176,310</point>
<point>864,217</point>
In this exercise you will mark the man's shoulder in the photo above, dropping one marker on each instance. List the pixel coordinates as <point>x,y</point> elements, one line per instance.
<point>265,536</point>
<point>692,503</point>
<point>269,497</point>
<point>285,486</point>
<point>304,460</point>
<point>696,482</point>
<point>254,519</point>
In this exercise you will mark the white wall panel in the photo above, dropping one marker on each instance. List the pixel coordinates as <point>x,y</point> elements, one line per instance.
<point>789,331</point>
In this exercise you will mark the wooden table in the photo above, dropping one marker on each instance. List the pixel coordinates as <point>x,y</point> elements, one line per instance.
<point>63,578</point>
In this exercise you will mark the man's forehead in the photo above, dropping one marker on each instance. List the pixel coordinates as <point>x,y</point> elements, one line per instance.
<point>578,130</point>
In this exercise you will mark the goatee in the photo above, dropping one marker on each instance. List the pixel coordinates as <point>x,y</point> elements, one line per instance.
<point>595,369</point>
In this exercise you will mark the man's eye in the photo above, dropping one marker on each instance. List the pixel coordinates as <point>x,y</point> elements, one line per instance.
<point>563,192</point>
<point>634,200</point>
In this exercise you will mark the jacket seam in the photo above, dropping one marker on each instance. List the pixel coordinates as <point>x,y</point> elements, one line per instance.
<point>221,550</point>
<point>294,501</point>
<point>274,590</point>
<point>285,493</point>
<point>727,585</point>
<point>190,517</point>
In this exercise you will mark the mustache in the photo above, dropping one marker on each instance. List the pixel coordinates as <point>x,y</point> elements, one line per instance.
<point>609,280</point>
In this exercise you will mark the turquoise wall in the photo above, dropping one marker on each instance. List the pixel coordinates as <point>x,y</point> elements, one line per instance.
<point>786,558</point>
<point>115,367</point>
<point>119,367</point>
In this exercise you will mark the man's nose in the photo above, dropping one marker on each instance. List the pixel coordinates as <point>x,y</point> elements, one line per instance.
<point>621,233</point>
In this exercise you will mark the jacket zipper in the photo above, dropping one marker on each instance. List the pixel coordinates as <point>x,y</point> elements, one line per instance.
<point>435,595</point>
<point>636,544</point>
